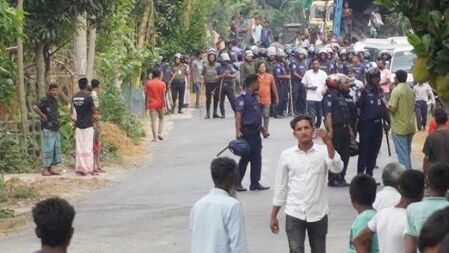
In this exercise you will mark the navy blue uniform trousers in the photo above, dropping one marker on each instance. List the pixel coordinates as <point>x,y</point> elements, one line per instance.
<point>252,135</point>
<point>370,132</point>
<point>341,141</point>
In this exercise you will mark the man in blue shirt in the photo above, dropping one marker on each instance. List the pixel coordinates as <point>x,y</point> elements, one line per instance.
<point>217,220</point>
<point>248,123</point>
<point>298,68</point>
<point>226,74</point>
<point>266,35</point>
<point>281,77</point>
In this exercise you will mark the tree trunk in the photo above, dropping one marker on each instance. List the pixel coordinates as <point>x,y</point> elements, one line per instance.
<point>142,29</point>
<point>91,52</point>
<point>151,30</point>
<point>20,76</point>
<point>40,67</point>
<point>80,49</point>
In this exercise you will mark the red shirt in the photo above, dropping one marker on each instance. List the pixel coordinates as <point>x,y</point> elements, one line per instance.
<point>433,125</point>
<point>155,90</point>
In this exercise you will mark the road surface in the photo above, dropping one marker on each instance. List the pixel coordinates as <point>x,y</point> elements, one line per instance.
<point>148,209</point>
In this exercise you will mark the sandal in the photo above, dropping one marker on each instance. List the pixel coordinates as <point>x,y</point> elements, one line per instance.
<point>79,173</point>
<point>46,173</point>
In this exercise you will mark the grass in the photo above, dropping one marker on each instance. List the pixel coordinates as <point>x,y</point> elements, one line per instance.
<point>25,192</point>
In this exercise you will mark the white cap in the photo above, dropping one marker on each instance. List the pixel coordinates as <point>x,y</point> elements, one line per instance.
<point>271,51</point>
<point>249,53</point>
<point>178,55</point>
<point>225,57</point>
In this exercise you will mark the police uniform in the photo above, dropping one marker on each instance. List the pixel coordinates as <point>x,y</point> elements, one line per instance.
<point>299,92</point>
<point>370,128</point>
<point>359,71</point>
<point>226,86</point>
<point>209,72</point>
<point>246,69</point>
<point>326,66</point>
<point>282,88</point>
<point>248,104</point>
<point>335,104</point>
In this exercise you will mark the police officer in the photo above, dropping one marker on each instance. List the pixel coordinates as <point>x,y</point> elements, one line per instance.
<point>324,62</point>
<point>211,82</point>
<point>342,63</point>
<point>248,122</point>
<point>372,111</point>
<point>271,59</point>
<point>338,122</point>
<point>226,74</point>
<point>311,55</point>
<point>298,68</point>
<point>331,59</point>
<point>247,67</point>
<point>281,77</point>
<point>359,67</point>
<point>178,84</point>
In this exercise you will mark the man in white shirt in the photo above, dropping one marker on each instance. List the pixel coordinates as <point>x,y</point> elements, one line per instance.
<point>217,220</point>
<point>315,82</point>
<point>389,196</point>
<point>301,186</point>
<point>423,97</point>
<point>256,30</point>
<point>390,223</point>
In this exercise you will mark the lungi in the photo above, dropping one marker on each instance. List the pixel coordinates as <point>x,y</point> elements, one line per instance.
<point>51,148</point>
<point>84,150</point>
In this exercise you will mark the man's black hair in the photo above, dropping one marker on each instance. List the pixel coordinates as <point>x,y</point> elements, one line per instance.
<point>438,177</point>
<point>411,184</point>
<point>401,75</point>
<point>223,169</point>
<point>444,248</point>
<point>54,219</point>
<point>440,116</point>
<point>156,73</point>
<point>94,83</point>
<point>315,60</point>
<point>250,79</point>
<point>299,118</point>
<point>258,65</point>
<point>53,86</point>
<point>82,83</point>
<point>434,230</point>
<point>363,189</point>
<point>276,38</point>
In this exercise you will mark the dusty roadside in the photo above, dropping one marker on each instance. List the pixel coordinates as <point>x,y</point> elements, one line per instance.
<point>24,190</point>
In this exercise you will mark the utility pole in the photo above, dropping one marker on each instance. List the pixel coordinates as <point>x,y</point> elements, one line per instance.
<point>337,19</point>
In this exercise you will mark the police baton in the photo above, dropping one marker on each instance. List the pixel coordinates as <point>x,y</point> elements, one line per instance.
<point>387,137</point>
<point>291,96</point>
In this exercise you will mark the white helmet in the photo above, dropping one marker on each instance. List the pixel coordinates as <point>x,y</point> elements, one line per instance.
<point>249,53</point>
<point>322,51</point>
<point>271,51</point>
<point>255,49</point>
<point>212,51</point>
<point>178,55</point>
<point>302,51</point>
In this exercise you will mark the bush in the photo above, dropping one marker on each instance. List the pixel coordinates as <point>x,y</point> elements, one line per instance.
<point>13,157</point>
<point>114,110</point>
<point>3,196</point>
<point>25,192</point>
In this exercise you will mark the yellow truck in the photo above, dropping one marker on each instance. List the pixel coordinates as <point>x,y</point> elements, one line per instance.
<point>321,16</point>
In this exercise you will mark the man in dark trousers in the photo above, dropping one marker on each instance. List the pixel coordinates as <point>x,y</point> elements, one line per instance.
<point>248,125</point>
<point>226,76</point>
<point>338,122</point>
<point>178,84</point>
<point>370,126</point>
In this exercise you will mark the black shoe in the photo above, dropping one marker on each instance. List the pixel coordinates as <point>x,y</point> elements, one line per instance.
<point>160,137</point>
<point>207,117</point>
<point>258,187</point>
<point>240,188</point>
<point>343,183</point>
<point>334,184</point>
<point>216,116</point>
<point>180,112</point>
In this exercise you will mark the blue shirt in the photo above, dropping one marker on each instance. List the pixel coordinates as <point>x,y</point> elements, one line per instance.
<point>298,67</point>
<point>226,68</point>
<point>278,70</point>
<point>370,103</point>
<point>335,103</point>
<point>248,104</point>
<point>265,35</point>
<point>218,224</point>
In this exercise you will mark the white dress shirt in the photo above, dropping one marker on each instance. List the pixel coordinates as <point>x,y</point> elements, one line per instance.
<point>218,225</point>
<point>387,197</point>
<point>301,182</point>
<point>315,79</point>
<point>424,92</point>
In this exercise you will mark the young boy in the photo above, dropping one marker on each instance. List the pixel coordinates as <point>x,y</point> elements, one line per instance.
<point>434,237</point>
<point>418,213</point>
<point>363,193</point>
<point>390,223</point>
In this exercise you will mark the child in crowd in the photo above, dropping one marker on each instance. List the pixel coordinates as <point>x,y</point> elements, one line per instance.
<point>390,223</point>
<point>418,213</point>
<point>363,193</point>
<point>434,237</point>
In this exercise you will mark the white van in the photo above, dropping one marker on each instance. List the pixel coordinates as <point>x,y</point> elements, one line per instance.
<point>403,57</point>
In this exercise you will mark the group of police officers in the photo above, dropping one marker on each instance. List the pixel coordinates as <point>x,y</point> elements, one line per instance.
<point>352,98</point>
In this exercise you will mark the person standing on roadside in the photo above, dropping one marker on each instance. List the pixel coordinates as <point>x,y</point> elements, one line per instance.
<point>217,221</point>
<point>347,20</point>
<point>248,126</point>
<point>86,113</point>
<point>267,87</point>
<point>178,84</point>
<point>95,84</point>
<point>247,67</point>
<point>423,96</point>
<point>155,102</point>
<point>209,77</point>
<point>436,146</point>
<point>301,186</point>
<point>371,114</point>
<point>197,70</point>
<point>401,107</point>
<point>385,78</point>
<point>47,109</point>
<point>226,75</point>
<point>315,80</point>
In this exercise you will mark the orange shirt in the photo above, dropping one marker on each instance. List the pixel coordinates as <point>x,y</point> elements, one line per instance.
<point>265,82</point>
<point>433,125</point>
<point>155,90</point>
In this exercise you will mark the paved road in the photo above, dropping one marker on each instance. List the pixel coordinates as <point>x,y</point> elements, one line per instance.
<point>148,210</point>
